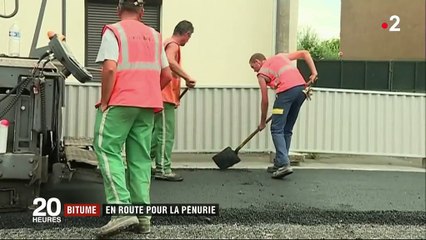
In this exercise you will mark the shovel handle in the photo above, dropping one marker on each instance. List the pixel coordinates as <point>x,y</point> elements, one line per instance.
<point>183,93</point>
<point>311,82</point>
<point>250,137</point>
<point>93,69</point>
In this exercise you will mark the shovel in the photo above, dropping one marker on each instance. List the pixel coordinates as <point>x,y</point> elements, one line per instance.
<point>228,157</point>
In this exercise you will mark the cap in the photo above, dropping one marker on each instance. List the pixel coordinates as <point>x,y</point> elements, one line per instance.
<point>136,3</point>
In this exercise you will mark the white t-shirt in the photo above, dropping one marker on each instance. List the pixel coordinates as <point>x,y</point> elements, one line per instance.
<point>109,50</point>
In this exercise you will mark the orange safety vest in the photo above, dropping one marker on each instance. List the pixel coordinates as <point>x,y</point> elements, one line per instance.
<point>281,73</point>
<point>172,91</point>
<point>137,80</point>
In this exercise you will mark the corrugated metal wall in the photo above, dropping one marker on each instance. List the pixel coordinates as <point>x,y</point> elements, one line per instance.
<point>335,121</point>
<point>356,122</point>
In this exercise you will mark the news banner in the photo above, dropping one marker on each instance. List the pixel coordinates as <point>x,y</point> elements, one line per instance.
<point>51,210</point>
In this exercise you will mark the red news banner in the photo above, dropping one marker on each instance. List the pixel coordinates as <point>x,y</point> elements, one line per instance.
<point>82,210</point>
<point>95,210</point>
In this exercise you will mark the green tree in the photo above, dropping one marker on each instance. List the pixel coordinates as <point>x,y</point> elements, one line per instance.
<point>320,50</point>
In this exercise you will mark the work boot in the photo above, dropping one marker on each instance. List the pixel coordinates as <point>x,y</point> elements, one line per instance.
<point>143,227</point>
<point>173,177</point>
<point>282,172</point>
<point>117,224</point>
<point>272,169</point>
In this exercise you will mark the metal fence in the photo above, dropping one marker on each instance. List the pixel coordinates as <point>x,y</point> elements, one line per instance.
<point>335,121</point>
<point>393,76</point>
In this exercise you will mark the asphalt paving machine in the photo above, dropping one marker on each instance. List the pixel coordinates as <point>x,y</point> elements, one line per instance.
<point>32,101</point>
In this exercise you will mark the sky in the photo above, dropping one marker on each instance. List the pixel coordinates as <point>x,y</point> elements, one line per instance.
<point>322,16</point>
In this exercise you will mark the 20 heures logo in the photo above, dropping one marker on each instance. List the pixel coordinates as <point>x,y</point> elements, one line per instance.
<point>47,211</point>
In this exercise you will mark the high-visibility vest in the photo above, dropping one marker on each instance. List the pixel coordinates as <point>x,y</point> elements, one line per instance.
<point>281,73</point>
<point>137,80</point>
<point>172,91</point>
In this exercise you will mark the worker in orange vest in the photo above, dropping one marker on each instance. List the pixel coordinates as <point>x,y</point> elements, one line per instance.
<point>278,73</point>
<point>134,70</point>
<point>164,130</point>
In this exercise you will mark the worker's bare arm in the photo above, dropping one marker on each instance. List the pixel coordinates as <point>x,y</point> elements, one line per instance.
<point>172,55</point>
<point>264,102</point>
<point>303,54</point>
<point>109,69</point>
<point>165,77</point>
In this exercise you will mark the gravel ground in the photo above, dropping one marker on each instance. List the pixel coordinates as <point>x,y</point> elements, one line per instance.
<point>312,204</point>
<point>286,215</point>
<point>234,231</point>
<point>237,223</point>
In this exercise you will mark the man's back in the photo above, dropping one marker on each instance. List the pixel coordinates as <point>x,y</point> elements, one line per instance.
<point>139,65</point>
<point>281,73</point>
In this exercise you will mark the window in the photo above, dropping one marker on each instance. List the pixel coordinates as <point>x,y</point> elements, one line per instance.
<point>102,12</point>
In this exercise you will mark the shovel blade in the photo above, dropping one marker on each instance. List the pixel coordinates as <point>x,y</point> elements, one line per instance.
<point>226,158</point>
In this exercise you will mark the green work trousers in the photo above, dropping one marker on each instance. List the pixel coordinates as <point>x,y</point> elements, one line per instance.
<point>133,127</point>
<point>163,139</point>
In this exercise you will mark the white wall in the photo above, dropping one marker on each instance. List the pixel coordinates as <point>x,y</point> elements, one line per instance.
<point>27,17</point>
<point>76,28</point>
<point>294,15</point>
<point>226,34</point>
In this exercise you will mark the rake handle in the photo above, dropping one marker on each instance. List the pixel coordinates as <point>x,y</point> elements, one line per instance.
<point>250,137</point>
<point>183,93</point>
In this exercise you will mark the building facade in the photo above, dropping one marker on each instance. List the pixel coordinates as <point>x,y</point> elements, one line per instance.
<point>226,32</point>
<point>225,107</point>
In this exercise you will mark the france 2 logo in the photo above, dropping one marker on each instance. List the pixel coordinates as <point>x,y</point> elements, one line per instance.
<point>47,211</point>
<point>395,26</point>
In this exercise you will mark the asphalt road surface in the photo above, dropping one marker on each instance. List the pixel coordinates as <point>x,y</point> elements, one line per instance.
<point>310,203</point>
